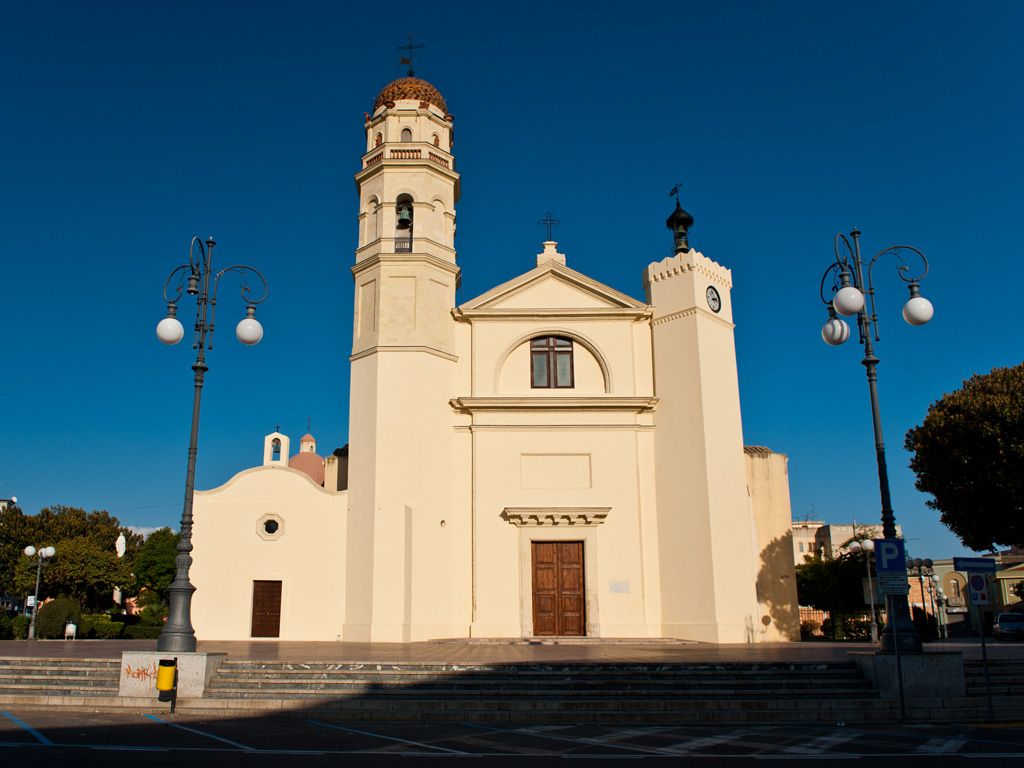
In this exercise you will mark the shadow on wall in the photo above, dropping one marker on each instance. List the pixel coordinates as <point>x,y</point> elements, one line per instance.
<point>776,587</point>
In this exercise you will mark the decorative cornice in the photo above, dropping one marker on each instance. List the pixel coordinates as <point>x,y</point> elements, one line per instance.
<point>518,403</point>
<point>690,313</point>
<point>526,313</point>
<point>693,261</point>
<point>537,517</point>
<point>404,259</point>
<point>398,348</point>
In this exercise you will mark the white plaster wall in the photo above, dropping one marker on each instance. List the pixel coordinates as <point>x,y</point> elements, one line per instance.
<point>229,554</point>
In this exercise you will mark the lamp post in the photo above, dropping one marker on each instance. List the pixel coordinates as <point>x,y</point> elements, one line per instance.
<point>867,546</point>
<point>197,278</point>
<point>42,553</point>
<point>942,602</point>
<point>849,286</point>
<point>923,570</point>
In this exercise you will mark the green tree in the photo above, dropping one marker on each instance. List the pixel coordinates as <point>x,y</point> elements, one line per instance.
<point>154,563</point>
<point>832,585</point>
<point>81,569</point>
<point>969,454</point>
<point>16,530</point>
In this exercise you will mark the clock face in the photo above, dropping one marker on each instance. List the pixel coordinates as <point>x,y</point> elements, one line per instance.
<point>714,300</point>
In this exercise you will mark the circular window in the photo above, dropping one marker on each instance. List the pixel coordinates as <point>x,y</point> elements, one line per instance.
<point>270,527</point>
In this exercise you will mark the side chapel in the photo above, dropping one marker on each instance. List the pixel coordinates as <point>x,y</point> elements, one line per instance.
<point>550,458</point>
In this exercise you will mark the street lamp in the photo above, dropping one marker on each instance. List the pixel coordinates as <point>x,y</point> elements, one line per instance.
<point>197,278</point>
<point>849,287</point>
<point>867,546</point>
<point>923,570</point>
<point>42,553</point>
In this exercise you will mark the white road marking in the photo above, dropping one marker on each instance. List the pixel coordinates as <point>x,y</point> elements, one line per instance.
<point>336,727</point>
<point>180,727</point>
<point>823,743</point>
<point>942,746</point>
<point>686,747</point>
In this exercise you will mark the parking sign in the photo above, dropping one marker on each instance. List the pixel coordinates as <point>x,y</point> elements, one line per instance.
<point>891,564</point>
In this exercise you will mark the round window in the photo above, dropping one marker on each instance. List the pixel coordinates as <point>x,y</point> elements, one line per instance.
<point>270,526</point>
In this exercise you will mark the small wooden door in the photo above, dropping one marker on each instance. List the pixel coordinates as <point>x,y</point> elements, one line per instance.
<point>558,602</point>
<point>266,609</point>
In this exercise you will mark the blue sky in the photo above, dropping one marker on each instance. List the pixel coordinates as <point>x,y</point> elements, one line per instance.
<point>128,127</point>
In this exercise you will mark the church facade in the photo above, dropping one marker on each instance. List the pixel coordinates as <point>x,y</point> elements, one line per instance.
<point>551,458</point>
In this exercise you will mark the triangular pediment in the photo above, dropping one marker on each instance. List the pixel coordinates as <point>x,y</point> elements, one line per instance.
<point>553,286</point>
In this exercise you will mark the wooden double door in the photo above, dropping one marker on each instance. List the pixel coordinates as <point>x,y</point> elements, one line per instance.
<point>559,607</point>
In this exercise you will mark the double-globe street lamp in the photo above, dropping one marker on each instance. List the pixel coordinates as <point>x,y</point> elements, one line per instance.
<point>40,553</point>
<point>923,570</point>
<point>848,288</point>
<point>867,546</point>
<point>197,278</point>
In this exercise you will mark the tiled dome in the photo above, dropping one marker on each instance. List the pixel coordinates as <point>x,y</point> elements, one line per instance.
<point>411,88</point>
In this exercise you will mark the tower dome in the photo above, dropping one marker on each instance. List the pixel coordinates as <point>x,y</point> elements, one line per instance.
<point>411,88</point>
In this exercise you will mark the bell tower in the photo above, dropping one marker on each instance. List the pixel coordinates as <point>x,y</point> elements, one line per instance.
<point>403,372</point>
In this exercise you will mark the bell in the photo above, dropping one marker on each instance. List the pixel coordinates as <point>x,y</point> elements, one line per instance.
<point>404,218</point>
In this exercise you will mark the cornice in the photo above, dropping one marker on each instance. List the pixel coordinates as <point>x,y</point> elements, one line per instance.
<point>422,163</point>
<point>693,261</point>
<point>690,313</point>
<point>403,348</point>
<point>557,271</point>
<point>538,517</point>
<point>464,315</point>
<point>381,259</point>
<point>519,403</point>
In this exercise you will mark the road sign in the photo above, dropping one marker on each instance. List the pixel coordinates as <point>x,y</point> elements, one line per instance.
<point>977,585</point>
<point>30,601</point>
<point>891,557</point>
<point>893,583</point>
<point>974,564</point>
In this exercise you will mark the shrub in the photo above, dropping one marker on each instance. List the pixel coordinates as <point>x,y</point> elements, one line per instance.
<point>810,630</point>
<point>55,614</point>
<point>19,627</point>
<point>6,633</point>
<point>100,626</point>
<point>143,631</point>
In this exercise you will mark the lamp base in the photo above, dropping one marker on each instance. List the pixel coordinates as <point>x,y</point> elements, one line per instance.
<point>905,636</point>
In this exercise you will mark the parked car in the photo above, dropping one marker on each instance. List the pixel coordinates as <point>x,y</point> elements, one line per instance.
<point>1009,626</point>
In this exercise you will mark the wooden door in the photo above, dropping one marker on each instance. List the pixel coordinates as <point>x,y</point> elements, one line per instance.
<point>558,602</point>
<point>266,609</point>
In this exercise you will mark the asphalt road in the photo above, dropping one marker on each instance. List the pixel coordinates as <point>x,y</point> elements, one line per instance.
<point>36,737</point>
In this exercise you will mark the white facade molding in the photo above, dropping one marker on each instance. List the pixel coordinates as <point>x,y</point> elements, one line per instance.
<point>690,313</point>
<point>518,403</point>
<point>537,517</point>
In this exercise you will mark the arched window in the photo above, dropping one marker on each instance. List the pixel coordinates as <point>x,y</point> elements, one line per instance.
<point>406,134</point>
<point>551,363</point>
<point>437,140</point>
<point>377,140</point>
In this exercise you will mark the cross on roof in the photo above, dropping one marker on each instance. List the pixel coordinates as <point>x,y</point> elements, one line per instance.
<point>675,192</point>
<point>407,60</point>
<point>548,221</point>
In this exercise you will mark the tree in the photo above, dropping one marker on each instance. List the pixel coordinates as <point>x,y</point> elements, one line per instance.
<point>81,569</point>
<point>969,454</point>
<point>154,565</point>
<point>832,585</point>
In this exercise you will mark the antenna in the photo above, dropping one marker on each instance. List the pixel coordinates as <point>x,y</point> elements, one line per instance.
<point>410,47</point>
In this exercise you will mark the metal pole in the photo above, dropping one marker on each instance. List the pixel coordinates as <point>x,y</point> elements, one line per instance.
<point>178,634</point>
<point>903,632</point>
<point>871,592</point>
<point>984,661</point>
<point>35,608</point>
<point>889,600</point>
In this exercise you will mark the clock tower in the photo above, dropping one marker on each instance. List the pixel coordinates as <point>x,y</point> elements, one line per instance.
<point>707,589</point>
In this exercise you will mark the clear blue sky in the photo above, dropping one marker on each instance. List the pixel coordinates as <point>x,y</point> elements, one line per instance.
<point>128,127</point>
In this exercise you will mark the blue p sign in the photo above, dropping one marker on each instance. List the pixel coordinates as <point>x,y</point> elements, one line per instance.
<point>890,556</point>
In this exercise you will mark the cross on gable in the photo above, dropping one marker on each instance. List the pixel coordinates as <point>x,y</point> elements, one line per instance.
<point>548,221</point>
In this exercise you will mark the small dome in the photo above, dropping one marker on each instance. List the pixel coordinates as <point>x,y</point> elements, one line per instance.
<point>411,88</point>
<point>310,464</point>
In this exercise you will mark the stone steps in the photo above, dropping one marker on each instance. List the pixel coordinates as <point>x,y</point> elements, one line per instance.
<point>58,678</point>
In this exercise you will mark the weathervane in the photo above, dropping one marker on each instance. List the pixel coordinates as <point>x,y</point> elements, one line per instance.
<point>548,221</point>
<point>407,60</point>
<point>674,192</point>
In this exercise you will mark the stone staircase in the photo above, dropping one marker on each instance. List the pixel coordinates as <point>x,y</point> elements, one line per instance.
<point>638,693</point>
<point>1007,677</point>
<point>34,681</point>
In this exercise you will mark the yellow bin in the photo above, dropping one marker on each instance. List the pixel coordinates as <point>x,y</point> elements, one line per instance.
<point>165,678</point>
